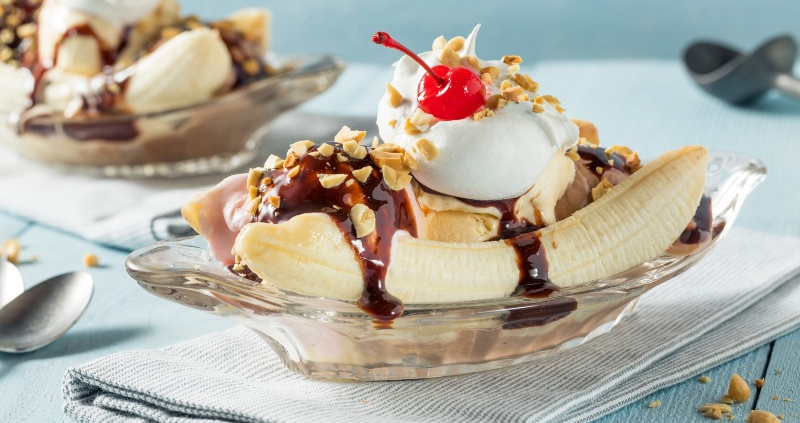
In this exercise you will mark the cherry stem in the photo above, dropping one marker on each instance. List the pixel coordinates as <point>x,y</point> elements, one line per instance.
<point>386,40</point>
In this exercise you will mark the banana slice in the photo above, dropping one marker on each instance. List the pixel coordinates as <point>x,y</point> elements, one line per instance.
<point>187,69</point>
<point>633,222</point>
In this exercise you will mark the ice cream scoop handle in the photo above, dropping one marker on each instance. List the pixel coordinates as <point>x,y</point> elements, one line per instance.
<point>789,84</point>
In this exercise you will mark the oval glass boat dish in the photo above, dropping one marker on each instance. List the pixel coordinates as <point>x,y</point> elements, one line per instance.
<point>332,339</point>
<point>217,135</point>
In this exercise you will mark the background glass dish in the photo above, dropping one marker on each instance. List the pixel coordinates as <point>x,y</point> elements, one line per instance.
<point>331,339</point>
<point>214,136</point>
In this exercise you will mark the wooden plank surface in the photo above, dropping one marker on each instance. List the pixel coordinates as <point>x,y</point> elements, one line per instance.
<point>781,392</point>
<point>679,403</point>
<point>11,226</point>
<point>121,316</point>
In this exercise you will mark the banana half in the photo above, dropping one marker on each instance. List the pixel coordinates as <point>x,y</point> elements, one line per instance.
<point>634,222</point>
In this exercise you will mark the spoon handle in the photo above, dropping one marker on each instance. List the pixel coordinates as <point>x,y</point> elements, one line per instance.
<point>788,84</point>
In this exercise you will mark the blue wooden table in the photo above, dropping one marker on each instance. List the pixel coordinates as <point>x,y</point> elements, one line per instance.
<point>648,104</point>
<point>122,316</point>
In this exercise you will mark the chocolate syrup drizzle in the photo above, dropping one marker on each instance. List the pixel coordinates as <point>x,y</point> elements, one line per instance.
<point>304,194</point>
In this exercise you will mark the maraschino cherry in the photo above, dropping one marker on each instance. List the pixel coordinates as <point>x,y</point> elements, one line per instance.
<point>446,93</point>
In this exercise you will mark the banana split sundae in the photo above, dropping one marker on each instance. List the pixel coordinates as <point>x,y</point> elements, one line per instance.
<point>482,188</point>
<point>93,63</point>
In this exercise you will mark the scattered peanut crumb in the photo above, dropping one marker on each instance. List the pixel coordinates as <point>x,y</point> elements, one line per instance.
<point>91,260</point>
<point>525,82</point>
<point>253,205</point>
<point>300,147</point>
<point>472,62</point>
<point>776,397</point>
<point>761,416</point>
<point>760,383</point>
<point>388,158</point>
<point>455,44</point>
<point>439,43</point>
<point>363,174</point>
<point>482,114</point>
<point>331,180</point>
<point>427,149</point>
<point>410,161</point>
<point>273,162</point>
<point>251,67</point>
<point>341,157</point>
<point>727,399</point>
<point>392,122</point>
<point>420,118</point>
<point>293,172</point>
<point>789,400</point>
<point>409,128</point>
<point>274,201</point>
<point>326,150</point>
<point>725,408</point>
<point>254,176</point>
<point>291,161</point>
<point>654,404</point>
<point>354,150</point>
<point>449,57</point>
<point>738,389</point>
<point>363,219</point>
<point>11,249</point>
<point>511,60</point>
<point>492,71</point>
<point>713,413</point>
<point>704,379</point>
<point>781,416</point>
<point>394,97</point>
<point>375,142</point>
<point>395,180</point>
<point>347,134</point>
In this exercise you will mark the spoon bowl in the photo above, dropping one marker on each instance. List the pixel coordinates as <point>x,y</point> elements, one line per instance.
<point>11,285</point>
<point>43,313</point>
<point>738,78</point>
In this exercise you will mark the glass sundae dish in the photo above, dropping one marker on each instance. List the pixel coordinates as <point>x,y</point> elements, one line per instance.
<point>134,88</point>
<point>486,228</point>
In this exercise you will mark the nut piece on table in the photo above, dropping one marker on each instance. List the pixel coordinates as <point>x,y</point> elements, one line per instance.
<point>10,249</point>
<point>713,413</point>
<point>761,416</point>
<point>91,260</point>
<point>725,408</point>
<point>760,383</point>
<point>738,389</point>
<point>704,379</point>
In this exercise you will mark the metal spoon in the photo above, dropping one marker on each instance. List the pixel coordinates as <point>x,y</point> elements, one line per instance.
<point>43,313</point>
<point>739,79</point>
<point>11,285</point>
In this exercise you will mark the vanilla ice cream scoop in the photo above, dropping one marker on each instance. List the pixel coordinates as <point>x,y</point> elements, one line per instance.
<point>500,151</point>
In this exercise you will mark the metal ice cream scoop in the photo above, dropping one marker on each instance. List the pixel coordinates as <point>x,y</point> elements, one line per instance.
<point>738,78</point>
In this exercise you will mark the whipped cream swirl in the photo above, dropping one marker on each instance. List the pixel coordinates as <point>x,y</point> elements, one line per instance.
<point>492,158</point>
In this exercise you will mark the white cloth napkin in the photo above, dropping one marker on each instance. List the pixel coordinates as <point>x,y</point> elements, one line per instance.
<point>744,293</point>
